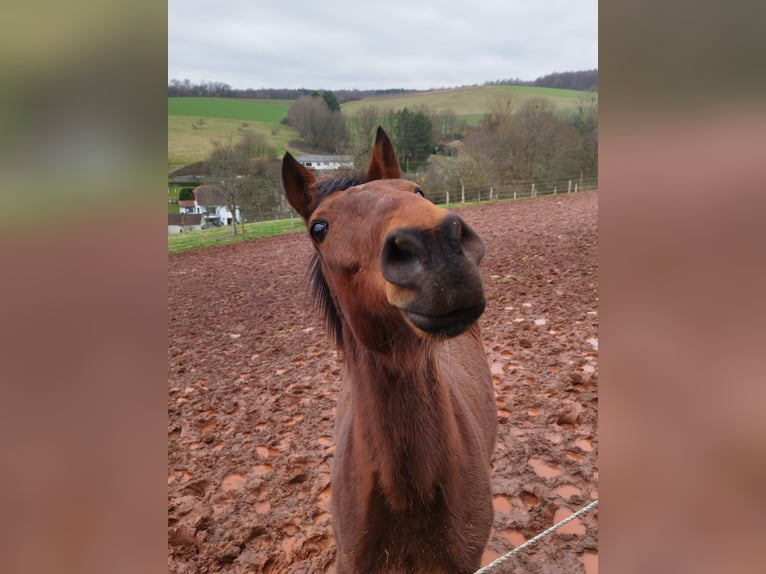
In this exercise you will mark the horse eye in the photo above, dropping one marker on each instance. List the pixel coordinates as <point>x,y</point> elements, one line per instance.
<point>319,230</point>
<point>420,192</point>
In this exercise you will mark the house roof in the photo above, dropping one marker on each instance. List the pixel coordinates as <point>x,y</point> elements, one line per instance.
<point>186,203</point>
<point>209,195</point>
<point>184,219</point>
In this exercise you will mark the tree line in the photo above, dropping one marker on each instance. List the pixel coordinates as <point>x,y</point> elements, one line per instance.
<point>586,81</point>
<point>205,89</point>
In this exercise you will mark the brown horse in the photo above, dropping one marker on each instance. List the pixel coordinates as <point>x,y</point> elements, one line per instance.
<point>398,281</point>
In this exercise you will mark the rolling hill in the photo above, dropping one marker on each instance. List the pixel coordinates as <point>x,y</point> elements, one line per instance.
<point>190,140</point>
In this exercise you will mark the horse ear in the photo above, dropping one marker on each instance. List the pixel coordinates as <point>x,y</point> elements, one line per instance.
<point>298,182</point>
<point>384,164</point>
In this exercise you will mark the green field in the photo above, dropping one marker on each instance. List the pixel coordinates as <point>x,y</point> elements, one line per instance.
<point>187,145</point>
<point>222,235</point>
<point>271,111</point>
<point>190,141</point>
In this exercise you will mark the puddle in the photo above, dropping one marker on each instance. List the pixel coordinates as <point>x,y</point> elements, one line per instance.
<point>489,556</point>
<point>590,561</point>
<point>515,537</point>
<point>544,469</point>
<point>529,498</point>
<point>294,420</point>
<point>265,452</point>
<point>555,438</point>
<point>502,504</point>
<point>261,469</point>
<point>574,527</point>
<point>585,444</point>
<point>232,482</point>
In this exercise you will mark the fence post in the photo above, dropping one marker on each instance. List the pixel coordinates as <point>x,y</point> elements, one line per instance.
<point>569,189</point>
<point>490,193</point>
<point>514,194</point>
<point>554,190</point>
<point>533,190</point>
<point>446,202</point>
<point>575,188</point>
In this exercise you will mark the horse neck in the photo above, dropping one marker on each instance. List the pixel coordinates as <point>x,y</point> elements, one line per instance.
<point>403,418</point>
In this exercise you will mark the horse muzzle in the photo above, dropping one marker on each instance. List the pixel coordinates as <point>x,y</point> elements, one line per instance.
<point>433,276</point>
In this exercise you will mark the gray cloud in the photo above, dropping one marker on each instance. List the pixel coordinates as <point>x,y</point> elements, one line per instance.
<point>392,44</point>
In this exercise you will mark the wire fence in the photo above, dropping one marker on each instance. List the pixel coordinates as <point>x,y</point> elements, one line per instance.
<point>493,566</point>
<point>453,196</point>
<point>263,222</point>
<point>511,190</point>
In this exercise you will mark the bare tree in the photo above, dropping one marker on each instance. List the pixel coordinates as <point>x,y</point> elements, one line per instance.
<point>238,170</point>
<point>318,125</point>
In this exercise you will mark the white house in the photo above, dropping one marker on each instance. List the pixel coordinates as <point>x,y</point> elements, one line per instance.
<point>210,201</point>
<point>326,162</point>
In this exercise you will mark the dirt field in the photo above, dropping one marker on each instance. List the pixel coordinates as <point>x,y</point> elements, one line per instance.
<point>252,382</point>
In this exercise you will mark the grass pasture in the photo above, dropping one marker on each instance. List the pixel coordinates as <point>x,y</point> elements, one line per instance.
<point>224,117</point>
<point>470,104</point>
<point>187,144</point>
<point>223,120</point>
<point>222,235</point>
<point>271,111</point>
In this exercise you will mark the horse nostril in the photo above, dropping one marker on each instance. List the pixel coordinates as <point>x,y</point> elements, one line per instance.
<point>401,260</point>
<point>462,238</point>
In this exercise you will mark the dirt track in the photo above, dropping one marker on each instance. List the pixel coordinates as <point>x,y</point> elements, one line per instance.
<point>252,381</point>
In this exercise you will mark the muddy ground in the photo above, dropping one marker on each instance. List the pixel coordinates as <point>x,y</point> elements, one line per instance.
<point>253,379</point>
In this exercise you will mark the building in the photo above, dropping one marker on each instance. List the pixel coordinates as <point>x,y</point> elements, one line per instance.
<point>210,202</point>
<point>180,222</point>
<point>326,162</point>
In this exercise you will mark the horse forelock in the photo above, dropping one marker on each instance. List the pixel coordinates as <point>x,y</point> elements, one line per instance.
<point>330,184</point>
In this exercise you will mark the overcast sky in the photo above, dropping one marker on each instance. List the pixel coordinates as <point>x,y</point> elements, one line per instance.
<point>346,44</point>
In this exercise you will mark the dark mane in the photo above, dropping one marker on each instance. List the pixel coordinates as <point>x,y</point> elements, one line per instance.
<point>320,292</point>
